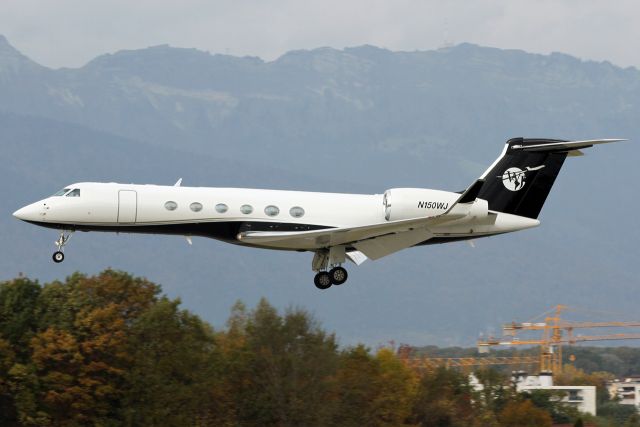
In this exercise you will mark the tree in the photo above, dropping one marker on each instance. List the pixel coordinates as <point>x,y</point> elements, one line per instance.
<point>8,415</point>
<point>551,402</point>
<point>444,398</point>
<point>633,421</point>
<point>524,414</point>
<point>396,387</point>
<point>616,412</point>
<point>571,375</point>
<point>286,363</point>
<point>18,302</point>
<point>495,392</point>
<point>173,365</point>
<point>355,388</point>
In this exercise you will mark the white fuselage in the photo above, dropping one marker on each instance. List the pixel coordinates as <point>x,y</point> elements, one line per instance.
<point>148,209</point>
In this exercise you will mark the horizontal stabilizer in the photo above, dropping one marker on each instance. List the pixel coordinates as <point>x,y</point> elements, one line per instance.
<point>564,145</point>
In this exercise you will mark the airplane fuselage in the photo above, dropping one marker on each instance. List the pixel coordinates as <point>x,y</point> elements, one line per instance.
<point>225,213</point>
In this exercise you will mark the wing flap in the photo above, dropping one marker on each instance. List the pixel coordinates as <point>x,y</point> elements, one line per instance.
<point>338,236</point>
<point>378,247</point>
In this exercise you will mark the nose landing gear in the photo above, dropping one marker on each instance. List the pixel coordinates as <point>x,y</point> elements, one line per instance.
<point>58,256</point>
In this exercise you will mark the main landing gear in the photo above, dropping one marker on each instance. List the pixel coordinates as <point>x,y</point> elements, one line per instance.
<point>337,275</point>
<point>58,256</point>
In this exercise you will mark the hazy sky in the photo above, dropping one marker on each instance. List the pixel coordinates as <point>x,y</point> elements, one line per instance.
<point>71,32</point>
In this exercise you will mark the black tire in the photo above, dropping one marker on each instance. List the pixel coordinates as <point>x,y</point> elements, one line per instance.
<point>322,280</point>
<point>338,275</point>
<point>58,257</point>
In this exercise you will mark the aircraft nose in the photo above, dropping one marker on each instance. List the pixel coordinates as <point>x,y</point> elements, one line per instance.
<point>30,212</point>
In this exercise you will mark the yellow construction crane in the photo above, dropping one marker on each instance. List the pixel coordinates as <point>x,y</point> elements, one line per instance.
<point>553,337</point>
<point>464,363</point>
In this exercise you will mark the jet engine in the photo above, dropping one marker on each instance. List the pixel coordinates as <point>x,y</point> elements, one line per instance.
<point>407,203</point>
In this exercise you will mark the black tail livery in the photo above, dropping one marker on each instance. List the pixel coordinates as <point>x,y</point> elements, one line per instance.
<point>520,180</point>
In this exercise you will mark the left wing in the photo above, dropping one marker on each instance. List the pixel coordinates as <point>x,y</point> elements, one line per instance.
<point>328,237</point>
<point>374,240</point>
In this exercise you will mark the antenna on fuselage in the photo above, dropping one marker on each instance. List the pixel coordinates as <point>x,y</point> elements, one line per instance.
<point>178,182</point>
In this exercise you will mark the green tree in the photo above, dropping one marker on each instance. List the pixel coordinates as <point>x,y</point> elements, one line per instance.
<point>18,302</point>
<point>616,412</point>
<point>354,388</point>
<point>495,392</point>
<point>633,421</point>
<point>8,415</point>
<point>551,402</point>
<point>173,364</point>
<point>444,398</point>
<point>289,359</point>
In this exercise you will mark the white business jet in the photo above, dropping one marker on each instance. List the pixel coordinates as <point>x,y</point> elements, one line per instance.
<point>335,227</point>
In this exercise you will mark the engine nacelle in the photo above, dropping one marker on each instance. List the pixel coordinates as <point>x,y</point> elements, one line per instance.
<point>476,210</point>
<point>407,203</point>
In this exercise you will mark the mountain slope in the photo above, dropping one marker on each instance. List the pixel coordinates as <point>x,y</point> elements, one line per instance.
<point>359,120</point>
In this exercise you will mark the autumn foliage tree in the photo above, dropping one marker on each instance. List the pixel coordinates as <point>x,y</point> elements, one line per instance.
<point>111,350</point>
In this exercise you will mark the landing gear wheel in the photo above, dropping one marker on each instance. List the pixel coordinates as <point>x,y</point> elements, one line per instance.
<point>58,256</point>
<point>338,275</point>
<point>322,280</point>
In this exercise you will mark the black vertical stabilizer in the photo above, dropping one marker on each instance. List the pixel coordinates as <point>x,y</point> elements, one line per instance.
<point>519,181</point>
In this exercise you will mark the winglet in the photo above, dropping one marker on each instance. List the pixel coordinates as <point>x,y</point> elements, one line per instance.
<point>471,193</point>
<point>178,183</point>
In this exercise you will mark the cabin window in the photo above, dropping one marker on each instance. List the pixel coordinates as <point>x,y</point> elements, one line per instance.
<point>246,209</point>
<point>296,212</point>
<point>195,206</point>
<point>271,210</point>
<point>61,192</point>
<point>221,208</point>
<point>74,193</point>
<point>171,206</point>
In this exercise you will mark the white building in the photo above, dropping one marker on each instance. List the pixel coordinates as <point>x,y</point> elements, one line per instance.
<point>583,397</point>
<point>627,390</point>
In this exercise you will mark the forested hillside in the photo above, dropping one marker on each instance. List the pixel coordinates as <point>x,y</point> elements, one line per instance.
<point>112,350</point>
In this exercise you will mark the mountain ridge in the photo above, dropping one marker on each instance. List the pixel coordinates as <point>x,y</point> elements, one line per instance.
<point>359,120</point>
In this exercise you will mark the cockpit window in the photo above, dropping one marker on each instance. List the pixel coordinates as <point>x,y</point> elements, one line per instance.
<point>74,193</point>
<point>61,192</point>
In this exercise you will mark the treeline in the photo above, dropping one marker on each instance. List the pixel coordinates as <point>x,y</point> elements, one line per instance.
<point>111,350</point>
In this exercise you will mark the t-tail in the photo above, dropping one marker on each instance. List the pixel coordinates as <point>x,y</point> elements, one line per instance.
<point>520,180</point>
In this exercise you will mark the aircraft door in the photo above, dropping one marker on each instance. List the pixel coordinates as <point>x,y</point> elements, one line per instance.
<point>127,206</point>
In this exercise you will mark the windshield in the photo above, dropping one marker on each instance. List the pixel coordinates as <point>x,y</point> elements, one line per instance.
<point>61,192</point>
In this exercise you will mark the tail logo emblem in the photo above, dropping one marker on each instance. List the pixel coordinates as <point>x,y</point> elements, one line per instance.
<point>514,179</point>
